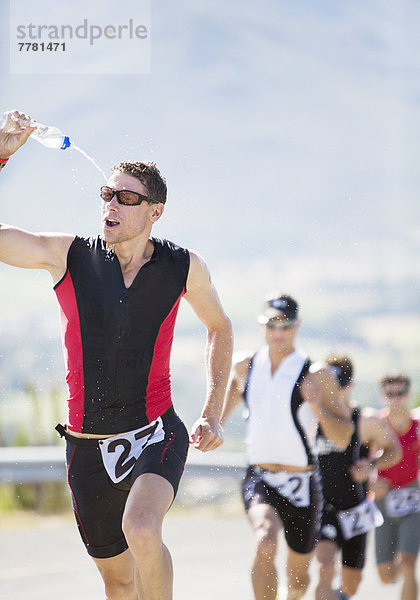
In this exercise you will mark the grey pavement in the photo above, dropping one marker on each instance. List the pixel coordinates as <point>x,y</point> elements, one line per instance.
<point>45,560</point>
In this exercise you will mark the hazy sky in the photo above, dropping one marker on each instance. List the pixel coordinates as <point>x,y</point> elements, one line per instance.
<point>288,132</point>
<point>256,113</point>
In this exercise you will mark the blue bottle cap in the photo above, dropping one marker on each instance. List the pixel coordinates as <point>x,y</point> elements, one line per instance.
<point>66,143</point>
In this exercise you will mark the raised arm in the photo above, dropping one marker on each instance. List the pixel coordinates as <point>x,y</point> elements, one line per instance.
<point>320,390</point>
<point>207,433</point>
<point>236,387</point>
<point>21,248</point>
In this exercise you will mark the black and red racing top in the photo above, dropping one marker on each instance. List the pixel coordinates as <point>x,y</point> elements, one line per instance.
<point>116,340</point>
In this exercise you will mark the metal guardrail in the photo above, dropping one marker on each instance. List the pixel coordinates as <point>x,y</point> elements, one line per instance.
<point>38,464</point>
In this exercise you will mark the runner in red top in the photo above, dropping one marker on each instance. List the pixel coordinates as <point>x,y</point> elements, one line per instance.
<point>405,472</point>
<point>398,493</point>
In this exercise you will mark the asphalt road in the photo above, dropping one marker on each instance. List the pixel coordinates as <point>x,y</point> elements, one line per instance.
<point>44,559</point>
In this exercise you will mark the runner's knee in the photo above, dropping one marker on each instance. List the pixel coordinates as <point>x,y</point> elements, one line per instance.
<point>326,566</point>
<point>350,585</point>
<point>297,590</point>
<point>325,556</point>
<point>119,583</point>
<point>387,572</point>
<point>297,583</point>
<point>350,588</point>
<point>407,564</point>
<point>266,542</point>
<point>143,532</point>
<point>117,590</point>
<point>326,572</point>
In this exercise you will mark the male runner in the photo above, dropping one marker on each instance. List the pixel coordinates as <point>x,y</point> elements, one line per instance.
<point>397,491</point>
<point>286,398</point>
<point>347,514</point>
<point>119,294</point>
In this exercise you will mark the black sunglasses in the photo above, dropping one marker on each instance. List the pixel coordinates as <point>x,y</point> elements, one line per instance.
<point>126,197</point>
<point>277,324</point>
<point>396,394</point>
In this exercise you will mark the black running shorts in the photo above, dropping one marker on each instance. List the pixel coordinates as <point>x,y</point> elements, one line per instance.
<point>98,503</point>
<point>353,551</point>
<point>301,524</point>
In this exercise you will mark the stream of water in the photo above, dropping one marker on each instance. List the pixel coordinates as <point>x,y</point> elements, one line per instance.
<point>90,159</point>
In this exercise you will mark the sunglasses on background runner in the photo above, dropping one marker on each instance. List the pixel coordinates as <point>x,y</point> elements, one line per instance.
<point>398,394</point>
<point>126,197</point>
<point>276,324</point>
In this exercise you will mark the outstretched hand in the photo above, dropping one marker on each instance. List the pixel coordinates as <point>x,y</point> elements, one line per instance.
<point>14,131</point>
<point>206,434</point>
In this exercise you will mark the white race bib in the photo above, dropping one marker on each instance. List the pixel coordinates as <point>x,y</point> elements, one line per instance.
<point>359,519</point>
<point>295,486</point>
<point>120,452</point>
<point>403,501</point>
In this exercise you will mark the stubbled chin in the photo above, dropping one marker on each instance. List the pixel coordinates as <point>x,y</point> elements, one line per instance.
<point>109,235</point>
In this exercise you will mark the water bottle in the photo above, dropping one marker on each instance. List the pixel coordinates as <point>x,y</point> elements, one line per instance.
<point>51,137</point>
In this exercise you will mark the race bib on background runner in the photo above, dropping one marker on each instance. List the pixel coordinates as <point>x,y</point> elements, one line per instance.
<point>359,519</point>
<point>120,452</point>
<point>403,501</point>
<point>295,487</point>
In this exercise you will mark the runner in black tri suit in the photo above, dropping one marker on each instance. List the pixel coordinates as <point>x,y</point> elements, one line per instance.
<point>286,397</point>
<point>347,513</point>
<point>119,294</point>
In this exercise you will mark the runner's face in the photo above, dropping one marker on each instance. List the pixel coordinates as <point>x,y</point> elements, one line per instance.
<point>120,222</point>
<point>395,394</point>
<point>278,338</point>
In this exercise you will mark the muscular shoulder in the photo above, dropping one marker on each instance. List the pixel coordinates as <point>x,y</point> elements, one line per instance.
<point>197,262</point>
<point>371,427</point>
<point>198,275</point>
<point>57,246</point>
<point>60,241</point>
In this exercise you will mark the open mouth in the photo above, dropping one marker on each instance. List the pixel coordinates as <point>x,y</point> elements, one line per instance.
<point>111,223</point>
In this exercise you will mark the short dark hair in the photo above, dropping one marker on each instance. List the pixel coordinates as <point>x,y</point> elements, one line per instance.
<point>148,174</point>
<point>279,305</point>
<point>342,367</point>
<point>401,378</point>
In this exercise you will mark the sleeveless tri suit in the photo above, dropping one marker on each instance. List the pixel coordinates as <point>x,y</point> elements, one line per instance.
<point>341,493</point>
<point>117,343</point>
<point>117,340</point>
<point>282,430</point>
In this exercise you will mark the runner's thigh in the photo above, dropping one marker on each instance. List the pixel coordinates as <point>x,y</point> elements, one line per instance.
<point>409,534</point>
<point>386,539</point>
<point>98,504</point>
